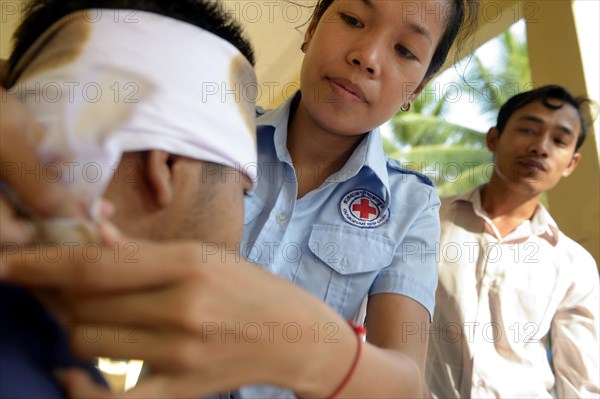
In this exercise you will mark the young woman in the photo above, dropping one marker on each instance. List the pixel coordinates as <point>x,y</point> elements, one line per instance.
<point>330,213</point>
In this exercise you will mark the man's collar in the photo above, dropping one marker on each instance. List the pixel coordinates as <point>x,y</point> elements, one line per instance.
<point>541,224</point>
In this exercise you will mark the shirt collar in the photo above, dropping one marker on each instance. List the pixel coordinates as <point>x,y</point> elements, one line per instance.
<point>369,152</point>
<point>541,224</point>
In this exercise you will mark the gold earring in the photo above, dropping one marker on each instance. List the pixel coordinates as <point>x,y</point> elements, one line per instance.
<point>405,108</point>
<point>303,47</point>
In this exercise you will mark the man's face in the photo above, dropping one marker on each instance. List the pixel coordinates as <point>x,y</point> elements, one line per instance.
<point>160,196</point>
<point>157,195</point>
<point>537,147</point>
<point>206,204</point>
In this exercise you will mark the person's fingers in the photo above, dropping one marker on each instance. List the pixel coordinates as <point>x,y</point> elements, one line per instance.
<point>13,229</point>
<point>94,268</point>
<point>79,385</point>
<point>171,386</point>
<point>28,177</point>
<point>107,208</point>
<point>163,351</point>
<point>22,170</point>
<point>155,307</point>
<point>124,341</point>
<point>191,384</point>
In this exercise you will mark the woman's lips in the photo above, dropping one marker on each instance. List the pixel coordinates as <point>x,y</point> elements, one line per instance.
<point>346,89</point>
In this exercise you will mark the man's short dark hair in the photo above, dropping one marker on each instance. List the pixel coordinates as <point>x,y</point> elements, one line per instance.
<point>41,14</point>
<point>544,94</point>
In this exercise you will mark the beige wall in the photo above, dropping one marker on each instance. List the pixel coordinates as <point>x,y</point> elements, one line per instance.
<point>10,16</point>
<point>555,57</point>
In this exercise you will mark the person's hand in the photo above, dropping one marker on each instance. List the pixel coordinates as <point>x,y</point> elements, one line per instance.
<point>203,319</point>
<point>40,194</point>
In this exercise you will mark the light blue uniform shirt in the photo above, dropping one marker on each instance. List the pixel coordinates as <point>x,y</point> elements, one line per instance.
<point>371,228</point>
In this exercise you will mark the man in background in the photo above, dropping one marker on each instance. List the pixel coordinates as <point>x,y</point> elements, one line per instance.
<point>517,300</point>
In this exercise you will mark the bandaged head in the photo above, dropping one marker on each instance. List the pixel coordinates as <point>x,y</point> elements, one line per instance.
<point>105,82</point>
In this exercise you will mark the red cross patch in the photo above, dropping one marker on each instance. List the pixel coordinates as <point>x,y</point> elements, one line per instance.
<point>363,208</point>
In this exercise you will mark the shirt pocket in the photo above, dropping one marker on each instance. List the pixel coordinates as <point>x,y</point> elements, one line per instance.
<point>532,301</point>
<point>526,301</point>
<point>347,260</point>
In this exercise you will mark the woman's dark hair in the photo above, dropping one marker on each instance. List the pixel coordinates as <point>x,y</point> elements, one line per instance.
<point>461,23</point>
<point>39,15</point>
<point>544,94</point>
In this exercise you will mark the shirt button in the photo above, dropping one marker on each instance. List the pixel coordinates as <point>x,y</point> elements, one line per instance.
<point>493,286</point>
<point>281,218</point>
<point>343,264</point>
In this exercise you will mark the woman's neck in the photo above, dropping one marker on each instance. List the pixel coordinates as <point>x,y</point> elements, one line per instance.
<point>316,152</point>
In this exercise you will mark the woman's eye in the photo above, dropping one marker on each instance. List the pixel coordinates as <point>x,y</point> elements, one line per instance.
<point>350,20</point>
<point>404,52</point>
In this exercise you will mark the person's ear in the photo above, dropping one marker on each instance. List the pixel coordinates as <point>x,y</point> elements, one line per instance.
<point>572,165</point>
<point>413,96</point>
<point>159,172</point>
<point>492,139</point>
<point>312,27</point>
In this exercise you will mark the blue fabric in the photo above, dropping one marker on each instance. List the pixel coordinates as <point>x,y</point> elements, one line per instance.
<point>323,246</point>
<point>32,347</point>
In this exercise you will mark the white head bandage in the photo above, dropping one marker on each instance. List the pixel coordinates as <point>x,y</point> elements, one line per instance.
<point>104,82</point>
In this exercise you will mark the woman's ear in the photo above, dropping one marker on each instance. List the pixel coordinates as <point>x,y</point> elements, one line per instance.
<point>312,27</point>
<point>413,96</point>
<point>160,178</point>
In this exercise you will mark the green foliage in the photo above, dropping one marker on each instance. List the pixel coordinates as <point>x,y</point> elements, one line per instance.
<point>416,130</point>
<point>454,169</point>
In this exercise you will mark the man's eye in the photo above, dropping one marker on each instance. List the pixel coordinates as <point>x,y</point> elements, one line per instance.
<point>561,143</point>
<point>350,20</point>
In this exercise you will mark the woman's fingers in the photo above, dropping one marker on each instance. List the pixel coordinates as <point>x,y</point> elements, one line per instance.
<point>173,307</point>
<point>14,230</point>
<point>176,386</point>
<point>91,267</point>
<point>21,169</point>
<point>166,351</point>
<point>127,341</point>
<point>79,385</point>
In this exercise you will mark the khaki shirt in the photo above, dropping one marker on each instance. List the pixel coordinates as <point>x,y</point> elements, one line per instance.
<point>502,302</point>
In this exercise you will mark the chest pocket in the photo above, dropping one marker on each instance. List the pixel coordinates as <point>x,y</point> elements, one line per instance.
<point>347,261</point>
<point>529,295</point>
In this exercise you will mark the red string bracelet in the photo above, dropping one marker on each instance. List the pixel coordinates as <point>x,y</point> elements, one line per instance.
<point>361,332</point>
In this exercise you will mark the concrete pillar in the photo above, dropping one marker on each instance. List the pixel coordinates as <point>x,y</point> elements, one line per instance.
<point>555,57</point>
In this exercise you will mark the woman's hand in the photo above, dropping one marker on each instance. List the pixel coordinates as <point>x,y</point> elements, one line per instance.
<point>22,180</point>
<point>204,320</point>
